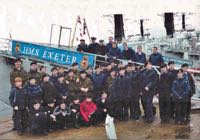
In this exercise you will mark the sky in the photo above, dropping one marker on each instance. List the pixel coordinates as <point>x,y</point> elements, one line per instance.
<point>30,20</point>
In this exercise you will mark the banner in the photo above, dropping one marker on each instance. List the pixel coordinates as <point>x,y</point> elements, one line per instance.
<point>50,54</point>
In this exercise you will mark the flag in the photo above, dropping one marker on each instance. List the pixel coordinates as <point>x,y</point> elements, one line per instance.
<point>84,26</point>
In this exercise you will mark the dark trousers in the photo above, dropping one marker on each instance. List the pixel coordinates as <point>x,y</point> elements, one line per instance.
<point>188,109</point>
<point>134,108</point>
<point>181,110</point>
<point>93,120</point>
<point>75,118</point>
<point>62,121</point>
<point>148,104</point>
<point>172,108</point>
<point>39,126</point>
<point>20,120</point>
<point>164,106</point>
<point>123,109</point>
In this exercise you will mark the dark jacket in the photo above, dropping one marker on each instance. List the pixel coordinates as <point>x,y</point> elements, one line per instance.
<point>180,88</point>
<point>93,48</point>
<point>34,93</point>
<point>156,59</point>
<point>114,52</point>
<point>102,105</point>
<point>133,83</point>
<point>62,89</point>
<point>48,91</point>
<point>190,79</point>
<point>149,78</point>
<point>62,112</point>
<point>18,97</point>
<point>82,48</point>
<point>98,81</point>
<point>37,118</point>
<point>128,54</point>
<point>119,88</point>
<point>140,58</point>
<point>76,107</point>
<point>53,79</point>
<point>164,85</point>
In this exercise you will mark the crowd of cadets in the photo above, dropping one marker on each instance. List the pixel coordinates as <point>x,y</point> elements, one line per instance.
<point>43,103</point>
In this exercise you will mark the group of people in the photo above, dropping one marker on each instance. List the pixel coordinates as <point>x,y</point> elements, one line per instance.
<point>112,51</point>
<point>72,97</point>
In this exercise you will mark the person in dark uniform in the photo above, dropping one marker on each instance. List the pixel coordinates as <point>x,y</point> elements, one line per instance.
<point>173,75</point>
<point>51,119</point>
<point>156,58</point>
<point>82,47</point>
<point>110,42</point>
<point>103,106</point>
<point>127,53</point>
<point>93,47</point>
<point>43,71</point>
<point>181,91</point>
<point>164,91</point>
<point>54,76</point>
<point>63,115</point>
<point>33,72</point>
<point>101,50</point>
<point>18,100</point>
<point>114,52</point>
<point>48,90</point>
<point>140,56</point>
<point>38,119</point>
<point>187,76</point>
<point>98,79</point>
<point>148,86</point>
<point>62,90</point>
<point>34,92</point>
<point>121,94</point>
<point>62,71</point>
<point>133,77</point>
<point>75,70</point>
<point>75,111</point>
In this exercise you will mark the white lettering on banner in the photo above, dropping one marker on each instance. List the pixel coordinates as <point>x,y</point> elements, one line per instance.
<point>31,51</point>
<point>59,57</point>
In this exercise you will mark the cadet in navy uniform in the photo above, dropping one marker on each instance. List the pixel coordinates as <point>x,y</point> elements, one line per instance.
<point>62,90</point>
<point>38,119</point>
<point>114,52</point>
<point>140,57</point>
<point>121,91</point>
<point>148,87</point>
<point>34,92</point>
<point>63,115</point>
<point>75,111</point>
<point>127,53</point>
<point>54,75</point>
<point>181,91</point>
<point>82,47</point>
<point>51,119</point>
<point>98,79</point>
<point>187,76</point>
<point>173,75</point>
<point>164,92</point>
<point>156,58</point>
<point>93,47</point>
<point>18,100</point>
<point>133,91</point>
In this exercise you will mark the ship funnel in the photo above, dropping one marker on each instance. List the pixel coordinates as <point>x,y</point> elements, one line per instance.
<point>183,22</point>
<point>169,23</point>
<point>141,28</point>
<point>119,27</point>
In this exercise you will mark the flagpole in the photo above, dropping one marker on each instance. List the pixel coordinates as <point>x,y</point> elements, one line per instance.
<point>72,43</point>
<point>87,30</point>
